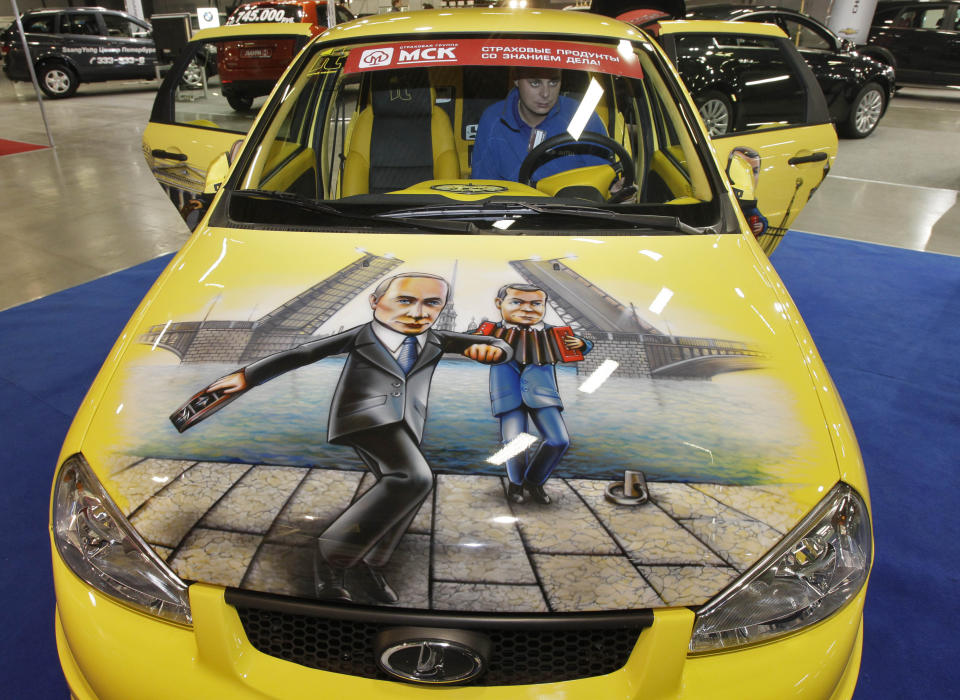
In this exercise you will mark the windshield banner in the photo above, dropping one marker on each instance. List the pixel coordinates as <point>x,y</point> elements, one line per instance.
<point>498,52</point>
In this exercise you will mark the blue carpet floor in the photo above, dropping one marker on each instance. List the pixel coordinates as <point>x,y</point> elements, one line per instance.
<point>887,322</point>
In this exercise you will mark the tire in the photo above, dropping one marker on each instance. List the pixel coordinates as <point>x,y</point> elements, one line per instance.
<point>57,80</point>
<point>192,76</point>
<point>716,112</point>
<point>865,111</point>
<point>239,102</point>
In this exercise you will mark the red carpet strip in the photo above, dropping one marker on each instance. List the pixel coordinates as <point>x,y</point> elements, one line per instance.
<point>10,147</point>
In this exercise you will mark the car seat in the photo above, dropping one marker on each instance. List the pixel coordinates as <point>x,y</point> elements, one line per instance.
<point>400,138</point>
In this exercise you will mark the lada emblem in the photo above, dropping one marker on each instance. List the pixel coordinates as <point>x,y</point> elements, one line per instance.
<point>432,656</point>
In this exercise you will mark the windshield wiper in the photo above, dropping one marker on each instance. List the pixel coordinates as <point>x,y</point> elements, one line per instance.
<point>488,210</point>
<point>318,207</point>
<point>432,224</point>
<point>660,222</point>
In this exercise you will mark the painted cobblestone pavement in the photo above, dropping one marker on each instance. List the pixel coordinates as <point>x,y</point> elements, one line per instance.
<point>468,549</point>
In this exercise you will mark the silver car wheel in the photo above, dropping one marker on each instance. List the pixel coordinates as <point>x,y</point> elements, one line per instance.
<point>193,75</point>
<point>716,116</point>
<point>869,110</point>
<point>57,80</point>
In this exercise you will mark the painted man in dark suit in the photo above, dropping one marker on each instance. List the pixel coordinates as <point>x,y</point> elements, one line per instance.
<point>379,408</point>
<point>524,393</point>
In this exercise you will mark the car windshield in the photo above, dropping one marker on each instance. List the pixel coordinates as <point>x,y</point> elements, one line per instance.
<point>467,134</point>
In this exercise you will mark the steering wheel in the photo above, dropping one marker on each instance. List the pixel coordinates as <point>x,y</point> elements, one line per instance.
<point>618,156</point>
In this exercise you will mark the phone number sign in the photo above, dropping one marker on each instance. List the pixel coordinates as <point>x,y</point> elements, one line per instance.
<point>497,52</point>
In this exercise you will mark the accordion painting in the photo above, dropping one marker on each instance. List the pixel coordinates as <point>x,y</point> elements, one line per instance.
<point>534,347</point>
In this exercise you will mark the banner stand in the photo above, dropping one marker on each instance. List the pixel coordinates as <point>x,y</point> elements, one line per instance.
<point>33,73</point>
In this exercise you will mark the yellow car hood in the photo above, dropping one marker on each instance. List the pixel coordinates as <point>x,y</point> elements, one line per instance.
<point>699,378</point>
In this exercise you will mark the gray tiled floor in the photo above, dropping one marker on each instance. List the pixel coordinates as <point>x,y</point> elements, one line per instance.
<point>88,207</point>
<point>900,185</point>
<point>91,207</point>
<point>256,527</point>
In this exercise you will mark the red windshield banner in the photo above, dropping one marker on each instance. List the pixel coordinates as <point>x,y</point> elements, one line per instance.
<point>497,52</point>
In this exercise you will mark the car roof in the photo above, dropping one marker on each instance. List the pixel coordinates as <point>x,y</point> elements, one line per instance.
<point>53,10</point>
<point>703,26</point>
<point>83,8</point>
<point>91,8</point>
<point>228,31</point>
<point>500,20</point>
<point>719,10</point>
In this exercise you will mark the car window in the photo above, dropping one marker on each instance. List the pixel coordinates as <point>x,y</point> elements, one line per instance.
<point>227,81</point>
<point>45,24</point>
<point>805,36</point>
<point>771,93</point>
<point>920,18</point>
<point>342,14</point>
<point>932,18</point>
<point>885,15</point>
<point>357,125</point>
<point>80,23</point>
<point>120,26</point>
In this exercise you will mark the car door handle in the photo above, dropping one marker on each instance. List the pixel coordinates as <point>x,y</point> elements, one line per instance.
<point>160,153</point>
<point>812,158</point>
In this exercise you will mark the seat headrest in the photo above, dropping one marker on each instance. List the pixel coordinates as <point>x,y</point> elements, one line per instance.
<point>401,95</point>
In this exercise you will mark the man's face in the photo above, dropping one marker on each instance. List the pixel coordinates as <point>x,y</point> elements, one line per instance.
<point>523,308</point>
<point>538,95</point>
<point>411,304</point>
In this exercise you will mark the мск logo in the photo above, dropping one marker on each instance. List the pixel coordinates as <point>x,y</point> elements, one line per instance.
<point>374,58</point>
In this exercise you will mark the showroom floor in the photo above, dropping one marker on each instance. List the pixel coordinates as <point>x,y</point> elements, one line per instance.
<point>90,206</point>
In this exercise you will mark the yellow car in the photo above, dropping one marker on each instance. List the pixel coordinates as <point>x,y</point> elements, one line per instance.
<point>473,382</point>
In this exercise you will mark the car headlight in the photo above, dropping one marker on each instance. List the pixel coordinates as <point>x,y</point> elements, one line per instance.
<point>812,573</point>
<point>103,549</point>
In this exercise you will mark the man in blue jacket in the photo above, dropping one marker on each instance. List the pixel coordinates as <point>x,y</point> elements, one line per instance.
<point>532,112</point>
<point>524,390</point>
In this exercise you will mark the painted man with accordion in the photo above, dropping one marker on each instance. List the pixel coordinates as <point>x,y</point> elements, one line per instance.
<point>524,390</point>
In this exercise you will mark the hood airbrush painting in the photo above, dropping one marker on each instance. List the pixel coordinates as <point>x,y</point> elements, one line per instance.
<point>310,448</point>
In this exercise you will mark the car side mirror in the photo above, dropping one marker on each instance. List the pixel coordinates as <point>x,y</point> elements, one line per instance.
<point>743,171</point>
<point>216,174</point>
<point>220,168</point>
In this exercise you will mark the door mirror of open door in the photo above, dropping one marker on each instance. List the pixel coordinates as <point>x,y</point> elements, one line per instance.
<point>743,171</point>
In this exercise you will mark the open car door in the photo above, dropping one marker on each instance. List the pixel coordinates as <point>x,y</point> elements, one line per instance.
<point>207,103</point>
<point>757,96</point>
<point>754,80</point>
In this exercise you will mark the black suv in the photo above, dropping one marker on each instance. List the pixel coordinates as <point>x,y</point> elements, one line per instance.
<point>923,39</point>
<point>79,45</point>
<point>857,87</point>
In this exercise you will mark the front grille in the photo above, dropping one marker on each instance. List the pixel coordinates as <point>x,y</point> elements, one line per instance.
<point>520,654</point>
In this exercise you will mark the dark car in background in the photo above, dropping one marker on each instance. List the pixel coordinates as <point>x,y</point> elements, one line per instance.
<point>857,87</point>
<point>923,39</point>
<point>77,45</point>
